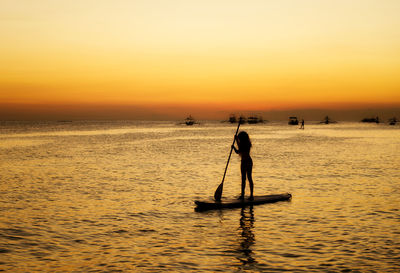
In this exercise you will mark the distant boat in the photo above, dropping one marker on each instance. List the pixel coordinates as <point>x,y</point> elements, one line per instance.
<point>243,120</point>
<point>371,120</point>
<point>233,119</point>
<point>392,121</point>
<point>254,120</point>
<point>327,120</point>
<point>293,121</point>
<point>190,120</point>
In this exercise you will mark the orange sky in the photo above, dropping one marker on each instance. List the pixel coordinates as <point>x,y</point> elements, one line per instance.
<point>246,55</point>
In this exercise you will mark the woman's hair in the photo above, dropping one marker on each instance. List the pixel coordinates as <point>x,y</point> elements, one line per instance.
<point>244,142</point>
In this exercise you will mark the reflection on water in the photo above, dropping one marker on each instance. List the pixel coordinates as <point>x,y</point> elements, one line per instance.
<point>118,196</point>
<point>247,236</point>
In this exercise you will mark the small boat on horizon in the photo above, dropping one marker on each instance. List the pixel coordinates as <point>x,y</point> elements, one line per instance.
<point>250,120</point>
<point>190,121</point>
<point>392,121</point>
<point>371,120</point>
<point>293,121</point>
<point>327,120</point>
<point>232,119</point>
<point>255,120</point>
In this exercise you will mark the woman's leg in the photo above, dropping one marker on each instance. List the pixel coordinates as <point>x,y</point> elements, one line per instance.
<point>243,171</point>
<point>250,178</point>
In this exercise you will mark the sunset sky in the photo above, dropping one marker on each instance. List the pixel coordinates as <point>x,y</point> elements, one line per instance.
<point>218,55</point>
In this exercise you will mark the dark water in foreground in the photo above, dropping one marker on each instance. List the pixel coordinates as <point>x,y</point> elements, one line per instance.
<point>118,196</point>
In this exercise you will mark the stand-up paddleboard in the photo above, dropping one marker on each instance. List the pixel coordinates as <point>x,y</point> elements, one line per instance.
<point>235,203</point>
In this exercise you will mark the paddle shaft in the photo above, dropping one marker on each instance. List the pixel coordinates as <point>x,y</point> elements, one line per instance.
<point>229,158</point>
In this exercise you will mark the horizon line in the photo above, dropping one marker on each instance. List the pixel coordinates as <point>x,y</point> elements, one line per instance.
<point>47,112</point>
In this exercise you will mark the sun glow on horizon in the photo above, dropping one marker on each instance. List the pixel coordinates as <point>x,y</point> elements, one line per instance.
<point>258,54</point>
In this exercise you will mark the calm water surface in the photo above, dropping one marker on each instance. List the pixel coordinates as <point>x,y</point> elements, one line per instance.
<point>118,196</point>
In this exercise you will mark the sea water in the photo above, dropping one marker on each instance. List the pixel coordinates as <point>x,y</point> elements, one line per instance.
<point>91,196</point>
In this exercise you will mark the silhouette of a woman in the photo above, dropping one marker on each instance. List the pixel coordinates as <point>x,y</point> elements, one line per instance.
<point>246,166</point>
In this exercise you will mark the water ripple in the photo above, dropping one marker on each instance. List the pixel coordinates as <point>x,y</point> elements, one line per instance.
<point>100,197</point>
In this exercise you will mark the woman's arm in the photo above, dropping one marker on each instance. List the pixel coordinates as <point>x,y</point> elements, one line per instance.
<point>236,150</point>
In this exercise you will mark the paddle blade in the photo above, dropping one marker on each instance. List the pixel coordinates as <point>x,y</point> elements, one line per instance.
<point>218,192</point>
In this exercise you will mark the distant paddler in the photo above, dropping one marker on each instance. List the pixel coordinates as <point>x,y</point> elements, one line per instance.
<point>302,124</point>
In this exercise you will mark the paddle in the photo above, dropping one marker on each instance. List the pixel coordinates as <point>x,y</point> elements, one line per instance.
<point>218,192</point>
